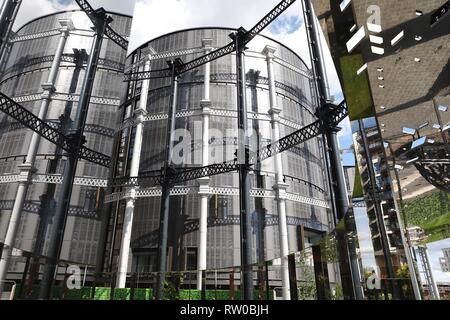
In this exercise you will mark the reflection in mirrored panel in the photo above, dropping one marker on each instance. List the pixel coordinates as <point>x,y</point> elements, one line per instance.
<point>418,143</point>
<point>409,131</point>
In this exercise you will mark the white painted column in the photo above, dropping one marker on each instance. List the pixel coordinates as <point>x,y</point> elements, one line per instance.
<point>27,169</point>
<point>124,253</point>
<point>204,182</point>
<point>280,187</point>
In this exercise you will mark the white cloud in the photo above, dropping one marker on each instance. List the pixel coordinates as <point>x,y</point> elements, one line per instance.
<point>345,135</point>
<point>157,17</point>
<point>364,237</point>
<point>31,9</point>
<point>153,18</point>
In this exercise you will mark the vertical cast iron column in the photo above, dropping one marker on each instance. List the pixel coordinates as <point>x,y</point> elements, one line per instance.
<point>204,182</point>
<point>165,195</point>
<point>124,254</point>
<point>244,161</point>
<point>339,186</point>
<point>280,187</point>
<point>27,168</point>
<point>77,141</point>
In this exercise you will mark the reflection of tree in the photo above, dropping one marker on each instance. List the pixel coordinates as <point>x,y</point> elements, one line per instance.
<point>328,247</point>
<point>172,286</point>
<point>307,286</point>
<point>405,282</point>
<point>431,213</point>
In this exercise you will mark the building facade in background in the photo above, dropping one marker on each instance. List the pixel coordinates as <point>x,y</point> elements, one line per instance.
<point>445,260</point>
<point>31,56</point>
<point>416,235</point>
<point>381,210</point>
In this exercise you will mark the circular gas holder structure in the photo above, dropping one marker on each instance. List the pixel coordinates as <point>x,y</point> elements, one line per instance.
<point>211,92</point>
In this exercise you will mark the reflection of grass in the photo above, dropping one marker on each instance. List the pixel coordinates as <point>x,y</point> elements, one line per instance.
<point>356,87</point>
<point>432,213</point>
<point>438,228</point>
<point>357,189</point>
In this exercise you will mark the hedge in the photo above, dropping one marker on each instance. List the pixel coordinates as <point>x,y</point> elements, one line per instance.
<point>104,294</point>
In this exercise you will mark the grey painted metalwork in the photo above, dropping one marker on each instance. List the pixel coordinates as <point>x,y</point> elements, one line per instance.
<point>28,166</point>
<point>223,240</point>
<point>81,235</point>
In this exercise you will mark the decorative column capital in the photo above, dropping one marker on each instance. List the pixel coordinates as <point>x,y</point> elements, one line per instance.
<point>131,194</point>
<point>335,130</point>
<point>203,185</point>
<point>139,115</point>
<point>66,26</point>
<point>274,112</point>
<point>206,107</point>
<point>269,52</point>
<point>26,172</point>
<point>280,189</point>
<point>48,87</point>
<point>280,186</point>
<point>207,43</point>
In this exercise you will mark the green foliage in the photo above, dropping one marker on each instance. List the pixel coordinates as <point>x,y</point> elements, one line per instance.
<point>209,295</point>
<point>214,295</point>
<point>142,294</point>
<point>306,288</point>
<point>404,282</point>
<point>122,294</point>
<point>338,294</point>
<point>423,210</point>
<point>402,272</point>
<point>172,286</point>
<point>432,213</point>
<point>84,293</point>
<point>356,87</point>
<point>438,228</point>
<point>357,189</point>
<point>328,247</point>
<point>190,295</point>
<point>102,294</point>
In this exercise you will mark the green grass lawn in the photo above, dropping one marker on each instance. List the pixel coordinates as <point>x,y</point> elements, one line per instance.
<point>357,189</point>
<point>356,87</point>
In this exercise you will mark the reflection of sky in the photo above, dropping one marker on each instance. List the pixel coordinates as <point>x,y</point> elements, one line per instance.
<point>435,252</point>
<point>368,123</point>
<point>364,237</point>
